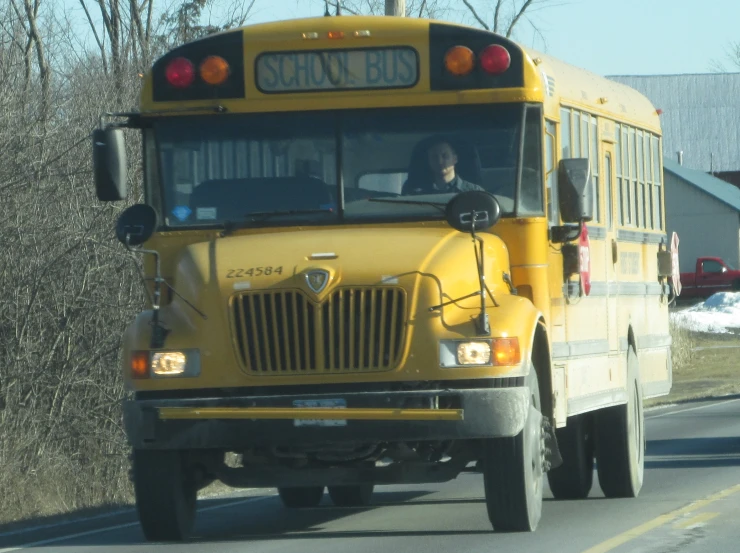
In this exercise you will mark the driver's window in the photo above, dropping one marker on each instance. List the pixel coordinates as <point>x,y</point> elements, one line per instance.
<point>530,199</point>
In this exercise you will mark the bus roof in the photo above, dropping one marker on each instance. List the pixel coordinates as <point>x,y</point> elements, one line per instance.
<point>580,88</point>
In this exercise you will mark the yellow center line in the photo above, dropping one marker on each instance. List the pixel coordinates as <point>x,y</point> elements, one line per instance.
<point>694,521</point>
<point>644,528</point>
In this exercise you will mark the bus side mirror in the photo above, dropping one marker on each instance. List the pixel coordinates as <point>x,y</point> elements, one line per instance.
<point>136,225</point>
<point>474,210</point>
<point>575,191</point>
<point>109,164</point>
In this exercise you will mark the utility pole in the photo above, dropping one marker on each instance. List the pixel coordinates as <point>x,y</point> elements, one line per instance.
<point>395,7</point>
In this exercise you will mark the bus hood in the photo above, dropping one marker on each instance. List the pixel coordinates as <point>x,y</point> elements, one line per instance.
<point>335,257</point>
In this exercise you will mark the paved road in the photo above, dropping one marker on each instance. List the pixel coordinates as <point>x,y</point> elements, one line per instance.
<point>689,504</point>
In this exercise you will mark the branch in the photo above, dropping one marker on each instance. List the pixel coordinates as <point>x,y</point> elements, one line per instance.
<point>480,20</point>
<point>497,15</point>
<point>539,33</point>
<point>348,9</point>
<point>421,9</point>
<point>97,38</point>
<point>518,16</point>
<point>148,34</point>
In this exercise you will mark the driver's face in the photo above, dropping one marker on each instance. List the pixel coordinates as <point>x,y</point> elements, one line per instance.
<point>442,159</point>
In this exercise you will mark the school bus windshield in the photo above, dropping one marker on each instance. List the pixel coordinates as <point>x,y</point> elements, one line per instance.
<point>283,168</point>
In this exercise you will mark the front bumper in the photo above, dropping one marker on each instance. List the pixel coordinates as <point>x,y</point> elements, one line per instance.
<point>236,423</point>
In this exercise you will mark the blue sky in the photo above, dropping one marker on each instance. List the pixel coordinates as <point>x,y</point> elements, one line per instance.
<point>609,37</point>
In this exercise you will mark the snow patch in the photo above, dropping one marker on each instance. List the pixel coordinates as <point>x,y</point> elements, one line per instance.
<point>718,314</point>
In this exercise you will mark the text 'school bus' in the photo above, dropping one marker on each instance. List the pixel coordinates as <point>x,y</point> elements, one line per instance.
<point>388,251</point>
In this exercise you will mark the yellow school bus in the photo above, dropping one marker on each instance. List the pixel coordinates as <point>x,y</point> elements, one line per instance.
<point>387,251</point>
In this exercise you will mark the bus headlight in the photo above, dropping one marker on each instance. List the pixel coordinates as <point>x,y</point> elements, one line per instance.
<point>166,364</point>
<point>474,353</point>
<point>481,353</point>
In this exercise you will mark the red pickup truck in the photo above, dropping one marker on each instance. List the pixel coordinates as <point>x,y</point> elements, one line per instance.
<point>712,275</point>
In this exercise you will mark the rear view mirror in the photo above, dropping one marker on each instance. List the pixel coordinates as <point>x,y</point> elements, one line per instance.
<point>472,211</point>
<point>109,164</point>
<point>575,191</point>
<point>136,225</point>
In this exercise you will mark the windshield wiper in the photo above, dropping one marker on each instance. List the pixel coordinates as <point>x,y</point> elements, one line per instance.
<point>438,205</point>
<point>261,216</point>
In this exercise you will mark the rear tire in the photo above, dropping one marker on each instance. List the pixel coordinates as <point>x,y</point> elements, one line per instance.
<point>620,439</point>
<point>574,478</point>
<point>351,496</point>
<point>513,472</point>
<point>301,498</point>
<point>166,493</point>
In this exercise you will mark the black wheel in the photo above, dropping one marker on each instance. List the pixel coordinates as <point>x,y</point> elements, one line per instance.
<point>620,440</point>
<point>351,496</point>
<point>736,285</point>
<point>301,498</point>
<point>166,494</point>
<point>512,472</point>
<point>574,478</point>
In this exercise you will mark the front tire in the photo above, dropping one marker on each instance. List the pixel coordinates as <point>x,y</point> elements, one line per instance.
<point>513,472</point>
<point>351,496</point>
<point>166,494</point>
<point>301,498</point>
<point>620,439</point>
<point>574,478</point>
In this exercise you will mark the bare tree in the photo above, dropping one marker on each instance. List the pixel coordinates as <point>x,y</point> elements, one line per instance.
<point>414,8</point>
<point>69,290</point>
<point>499,16</point>
<point>502,16</point>
<point>732,57</point>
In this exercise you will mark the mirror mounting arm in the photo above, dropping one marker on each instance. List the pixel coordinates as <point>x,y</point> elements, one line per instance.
<point>159,331</point>
<point>482,323</point>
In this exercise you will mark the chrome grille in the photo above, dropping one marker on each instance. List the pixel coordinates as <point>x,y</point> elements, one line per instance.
<point>353,329</point>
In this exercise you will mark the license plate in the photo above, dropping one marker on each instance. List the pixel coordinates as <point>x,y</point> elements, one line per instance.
<point>320,404</point>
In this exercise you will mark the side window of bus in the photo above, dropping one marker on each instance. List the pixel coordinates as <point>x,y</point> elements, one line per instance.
<point>621,210</point>
<point>593,157</point>
<point>553,213</point>
<point>608,188</point>
<point>530,201</point>
<point>657,181</point>
<point>638,178</point>
<point>582,142</point>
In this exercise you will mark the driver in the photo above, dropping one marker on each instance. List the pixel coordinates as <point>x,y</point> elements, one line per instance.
<point>442,160</point>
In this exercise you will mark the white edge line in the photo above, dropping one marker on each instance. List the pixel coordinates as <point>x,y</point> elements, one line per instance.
<point>126,525</point>
<point>714,404</point>
<point>117,512</point>
<point>69,522</point>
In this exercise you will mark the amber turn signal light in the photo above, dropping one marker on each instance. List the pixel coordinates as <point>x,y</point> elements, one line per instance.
<point>459,60</point>
<point>214,70</point>
<point>506,351</point>
<point>140,364</point>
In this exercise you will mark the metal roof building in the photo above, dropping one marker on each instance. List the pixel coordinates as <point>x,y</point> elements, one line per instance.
<point>701,118</point>
<point>705,212</point>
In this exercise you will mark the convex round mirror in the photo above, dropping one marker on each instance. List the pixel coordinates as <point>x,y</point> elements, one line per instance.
<point>475,206</point>
<point>136,224</point>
